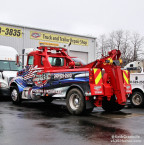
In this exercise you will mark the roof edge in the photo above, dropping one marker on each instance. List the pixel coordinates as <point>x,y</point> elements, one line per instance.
<point>30,27</point>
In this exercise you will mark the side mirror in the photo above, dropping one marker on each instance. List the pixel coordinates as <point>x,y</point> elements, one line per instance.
<point>72,64</point>
<point>1,70</point>
<point>17,60</point>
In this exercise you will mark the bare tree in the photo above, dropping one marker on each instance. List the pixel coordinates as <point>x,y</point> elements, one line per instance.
<point>119,39</point>
<point>103,46</point>
<point>111,41</point>
<point>137,42</point>
<point>127,52</point>
<point>129,44</point>
<point>125,44</point>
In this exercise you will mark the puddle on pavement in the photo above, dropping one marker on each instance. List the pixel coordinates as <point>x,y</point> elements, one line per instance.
<point>98,126</point>
<point>93,130</point>
<point>46,125</point>
<point>118,115</point>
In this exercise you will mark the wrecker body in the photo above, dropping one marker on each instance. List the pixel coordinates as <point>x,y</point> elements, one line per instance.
<point>51,73</point>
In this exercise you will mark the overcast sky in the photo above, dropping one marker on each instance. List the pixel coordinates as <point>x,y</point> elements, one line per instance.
<point>85,17</point>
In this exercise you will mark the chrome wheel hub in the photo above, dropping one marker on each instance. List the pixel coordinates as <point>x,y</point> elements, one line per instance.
<point>14,94</point>
<point>74,101</point>
<point>137,100</point>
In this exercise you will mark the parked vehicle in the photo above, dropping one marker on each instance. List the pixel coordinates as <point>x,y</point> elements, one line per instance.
<point>137,82</point>
<point>50,74</point>
<point>8,68</point>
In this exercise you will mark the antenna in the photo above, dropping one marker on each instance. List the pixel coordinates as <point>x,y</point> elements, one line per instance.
<point>68,47</point>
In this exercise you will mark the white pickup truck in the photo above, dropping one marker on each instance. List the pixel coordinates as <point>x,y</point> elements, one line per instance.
<point>8,68</point>
<point>136,69</point>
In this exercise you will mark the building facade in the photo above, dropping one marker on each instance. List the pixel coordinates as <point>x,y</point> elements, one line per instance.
<point>20,37</point>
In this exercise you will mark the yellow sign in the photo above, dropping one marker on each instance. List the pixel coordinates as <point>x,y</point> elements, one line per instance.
<point>47,44</point>
<point>58,38</point>
<point>13,32</point>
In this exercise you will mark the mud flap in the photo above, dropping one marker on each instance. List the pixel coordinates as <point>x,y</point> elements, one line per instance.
<point>89,103</point>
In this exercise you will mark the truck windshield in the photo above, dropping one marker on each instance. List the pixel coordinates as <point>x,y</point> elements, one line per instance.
<point>9,66</point>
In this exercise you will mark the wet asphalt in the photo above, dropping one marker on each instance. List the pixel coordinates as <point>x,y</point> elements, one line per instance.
<point>36,123</point>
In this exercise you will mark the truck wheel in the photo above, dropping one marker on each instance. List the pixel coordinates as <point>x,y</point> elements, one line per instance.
<point>47,100</point>
<point>75,102</point>
<point>15,96</point>
<point>137,99</point>
<point>111,106</point>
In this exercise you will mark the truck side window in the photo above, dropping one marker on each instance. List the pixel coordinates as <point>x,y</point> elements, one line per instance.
<point>131,65</point>
<point>42,58</point>
<point>56,61</point>
<point>30,61</point>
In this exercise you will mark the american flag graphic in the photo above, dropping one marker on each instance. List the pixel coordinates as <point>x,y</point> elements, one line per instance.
<point>29,72</point>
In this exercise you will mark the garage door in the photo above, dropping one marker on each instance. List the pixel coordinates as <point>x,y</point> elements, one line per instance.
<point>81,55</point>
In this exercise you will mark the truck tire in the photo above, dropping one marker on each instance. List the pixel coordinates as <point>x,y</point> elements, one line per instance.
<point>75,102</point>
<point>15,96</point>
<point>111,106</point>
<point>137,99</point>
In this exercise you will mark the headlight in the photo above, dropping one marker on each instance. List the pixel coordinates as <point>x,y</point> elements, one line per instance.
<point>3,85</point>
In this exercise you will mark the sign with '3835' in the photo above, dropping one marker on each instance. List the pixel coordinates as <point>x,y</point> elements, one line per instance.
<point>8,31</point>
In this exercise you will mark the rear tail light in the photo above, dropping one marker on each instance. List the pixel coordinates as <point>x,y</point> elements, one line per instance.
<point>91,76</point>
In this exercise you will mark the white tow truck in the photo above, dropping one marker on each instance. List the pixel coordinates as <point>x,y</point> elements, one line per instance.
<point>8,68</point>
<point>136,69</point>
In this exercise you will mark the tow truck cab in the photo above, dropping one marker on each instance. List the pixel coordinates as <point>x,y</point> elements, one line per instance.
<point>52,60</point>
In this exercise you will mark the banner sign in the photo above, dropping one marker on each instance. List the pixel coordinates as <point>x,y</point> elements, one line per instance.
<point>58,38</point>
<point>8,31</point>
<point>48,44</point>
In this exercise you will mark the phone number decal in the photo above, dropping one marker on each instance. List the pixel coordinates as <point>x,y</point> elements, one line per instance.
<point>13,32</point>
